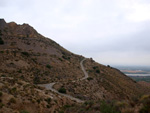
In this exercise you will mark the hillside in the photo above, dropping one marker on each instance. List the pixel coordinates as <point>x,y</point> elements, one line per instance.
<point>28,59</point>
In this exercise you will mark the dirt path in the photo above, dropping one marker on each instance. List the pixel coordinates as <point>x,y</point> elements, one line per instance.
<point>50,85</point>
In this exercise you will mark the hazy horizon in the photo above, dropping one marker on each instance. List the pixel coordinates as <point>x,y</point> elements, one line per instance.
<point>112,32</point>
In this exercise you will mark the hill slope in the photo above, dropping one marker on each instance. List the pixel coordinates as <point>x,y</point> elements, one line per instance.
<point>28,59</point>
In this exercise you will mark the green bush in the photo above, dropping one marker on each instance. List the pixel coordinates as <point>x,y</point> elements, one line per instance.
<point>62,90</point>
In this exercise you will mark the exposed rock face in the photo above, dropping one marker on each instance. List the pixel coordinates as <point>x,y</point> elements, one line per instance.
<point>3,24</point>
<point>18,30</point>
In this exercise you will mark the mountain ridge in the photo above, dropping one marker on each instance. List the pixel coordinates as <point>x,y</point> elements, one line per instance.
<point>28,59</point>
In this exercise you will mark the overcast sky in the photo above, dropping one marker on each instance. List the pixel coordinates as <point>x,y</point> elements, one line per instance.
<point>114,32</point>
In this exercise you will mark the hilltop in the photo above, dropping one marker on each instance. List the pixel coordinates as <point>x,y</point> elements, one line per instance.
<point>29,59</point>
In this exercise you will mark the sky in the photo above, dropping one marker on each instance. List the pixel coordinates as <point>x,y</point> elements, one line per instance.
<point>112,32</point>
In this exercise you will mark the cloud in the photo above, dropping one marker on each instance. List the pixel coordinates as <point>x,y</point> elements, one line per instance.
<point>103,29</point>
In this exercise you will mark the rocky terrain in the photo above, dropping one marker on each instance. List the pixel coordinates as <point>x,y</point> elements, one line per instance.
<point>28,59</point>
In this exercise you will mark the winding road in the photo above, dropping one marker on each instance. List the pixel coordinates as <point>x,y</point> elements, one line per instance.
<point>84,71</point>
<point>50,85</point>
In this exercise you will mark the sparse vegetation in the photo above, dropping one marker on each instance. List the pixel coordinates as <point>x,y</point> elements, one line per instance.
<point>107,108</point>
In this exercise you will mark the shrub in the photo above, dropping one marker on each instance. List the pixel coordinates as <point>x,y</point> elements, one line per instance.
<point>19,71</point>
<point>62,90</point>
<point>66,57</point>
<point>48,100</point>
<point>24,111</point>
<point>1,94</point>
<point>89,103</point>
<point>95,67</point>
<point>3,75</point>
<point>61,111</point>
<point>1,42</point>
<point>1,33</point>
<point>128,110</point>
<point>1,105</point>
<point>97,71</point>
<point>48,106</point>
<point>145,109</point>
<point>146,104</point>
<point>36,80</point>
<point>66,106</point>
<point>38,101</point>
<point>108,65</point>
<point>12,100</point>
<point>48,66</point>
<point>89,78</point>
<point>13,90</point>
<point>25,53</point>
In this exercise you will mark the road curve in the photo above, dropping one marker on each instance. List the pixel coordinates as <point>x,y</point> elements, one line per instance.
<point>50,85</point>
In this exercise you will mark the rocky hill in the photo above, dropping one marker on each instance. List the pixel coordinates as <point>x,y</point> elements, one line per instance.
<point>28,59</point>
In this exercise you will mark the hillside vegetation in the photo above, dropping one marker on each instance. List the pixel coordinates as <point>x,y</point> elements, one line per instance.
<point>28,59</point>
